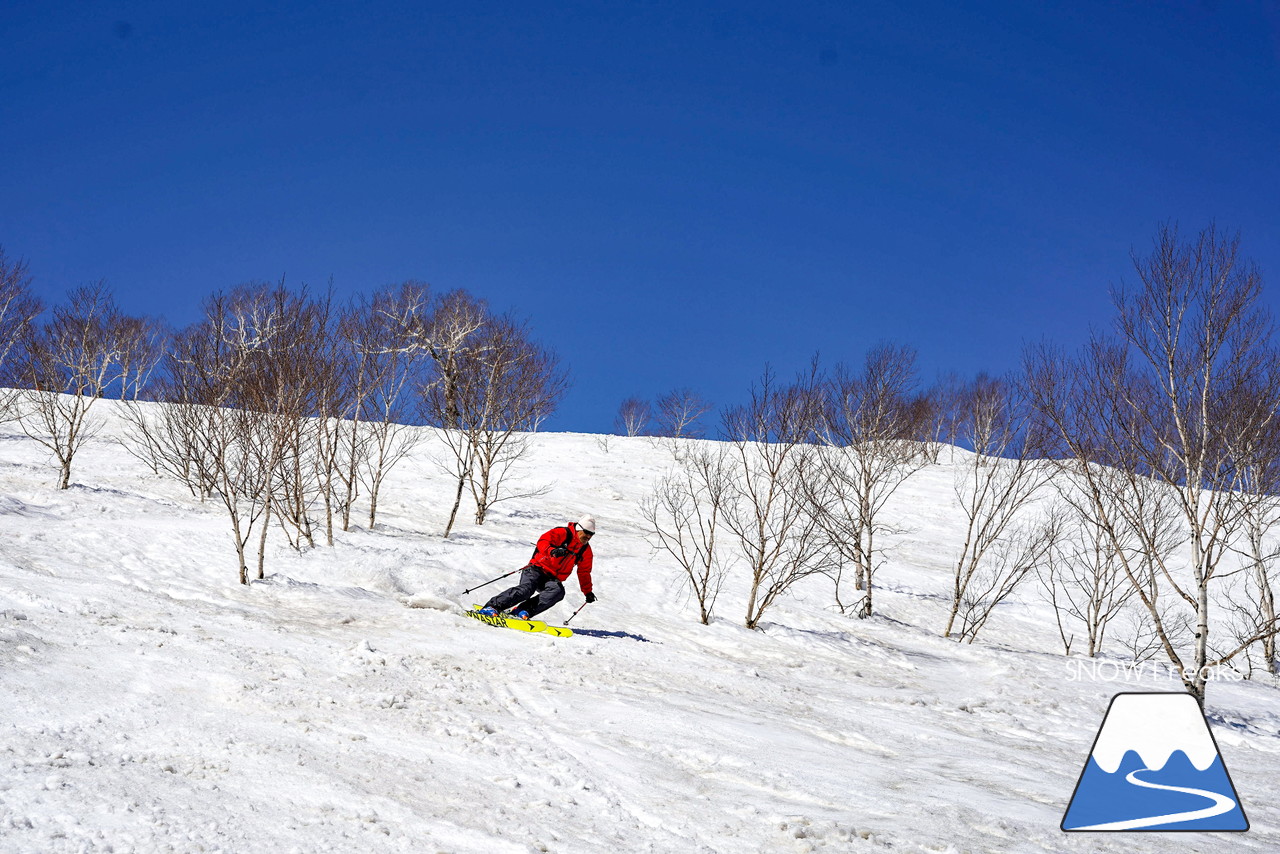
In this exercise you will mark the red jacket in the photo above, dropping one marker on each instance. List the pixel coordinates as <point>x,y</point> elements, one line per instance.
<point>561,567</point>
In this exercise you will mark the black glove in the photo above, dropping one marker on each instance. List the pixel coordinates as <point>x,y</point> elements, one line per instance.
<point>591,597</point>
<point>559,551</point>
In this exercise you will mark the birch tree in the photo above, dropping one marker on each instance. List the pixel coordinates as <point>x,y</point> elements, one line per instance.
<point>994,485</point>
<point>511,384</point>
<point>447,335</point>
<point>1082,578</point>
<point>634,416</point>
<point>771,442</point>
<point>228,427</point>
<point>870,429</point>
<point>390,358</point>
<point>684,517</point>
<point>18,310</point>
<point>66,367</point>
<point>1254,449</point>
<point>141,343</point>
<point>678,414</point>
<point>1153,411</point>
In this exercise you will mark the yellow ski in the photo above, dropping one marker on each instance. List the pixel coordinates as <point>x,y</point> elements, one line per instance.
<point>519,625</point>
<point>507,622</point>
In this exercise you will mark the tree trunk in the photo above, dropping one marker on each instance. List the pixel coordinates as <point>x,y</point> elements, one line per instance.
<point>262,541</point>
<point>373,505</point>
<point>240,557</point>
<point>457,502</point>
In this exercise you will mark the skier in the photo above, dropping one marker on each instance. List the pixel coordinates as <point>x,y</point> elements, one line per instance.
<point>542,581</point>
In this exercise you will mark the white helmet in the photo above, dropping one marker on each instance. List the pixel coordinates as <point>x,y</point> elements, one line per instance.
<point>587,523</point>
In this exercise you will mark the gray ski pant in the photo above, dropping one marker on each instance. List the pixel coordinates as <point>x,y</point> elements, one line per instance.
<point>536,592</point>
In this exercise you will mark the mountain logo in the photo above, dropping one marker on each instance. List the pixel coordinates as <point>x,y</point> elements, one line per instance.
<point>1154,766</point>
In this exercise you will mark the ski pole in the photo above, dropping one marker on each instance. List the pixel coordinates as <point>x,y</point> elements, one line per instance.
<point>491,580</point>
<point>575,613</point>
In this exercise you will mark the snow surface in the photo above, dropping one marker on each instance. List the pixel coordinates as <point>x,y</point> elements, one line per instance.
<point>148,702</point>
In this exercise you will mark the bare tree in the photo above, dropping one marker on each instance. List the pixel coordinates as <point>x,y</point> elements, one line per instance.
<point>678,414</point>
<point>18,309</point>
<point>490,385</point>
<point>141,343</point>
<point>248,432</point>
<point>772,440</point>
<point>1260,617</point>
<point>683,516</point>
<point>66,366</point>
<point>1253,445</point>
<point>241,450</point>
<point>362,364</point>
<point>511,385</point>
<point>236,389</point>
<point>633,417</point>
<point>459,462</point>
<point>1161,406</point>
<point>947,397</point>
<point>1136,517</point>
<point>337,433</point>
<point>447,334</point>
<point>1199,338</point>
<point>1008,561</point>
<point>390,360</point>
<point>294,388</point>
<point>370,361</point>
<point>871,426</point>
<point>165,437</point>
<point>1082,579</point>
<point>994,486</point>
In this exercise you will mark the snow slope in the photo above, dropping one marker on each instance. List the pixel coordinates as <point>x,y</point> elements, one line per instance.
<point>150,703</point>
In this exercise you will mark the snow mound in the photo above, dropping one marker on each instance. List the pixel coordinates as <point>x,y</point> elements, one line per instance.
<point>431,603</point>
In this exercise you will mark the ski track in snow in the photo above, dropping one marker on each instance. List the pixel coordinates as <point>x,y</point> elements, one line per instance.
<point>150,703</point>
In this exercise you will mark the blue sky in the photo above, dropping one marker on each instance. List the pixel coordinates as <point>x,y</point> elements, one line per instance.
<point>672,193</point>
